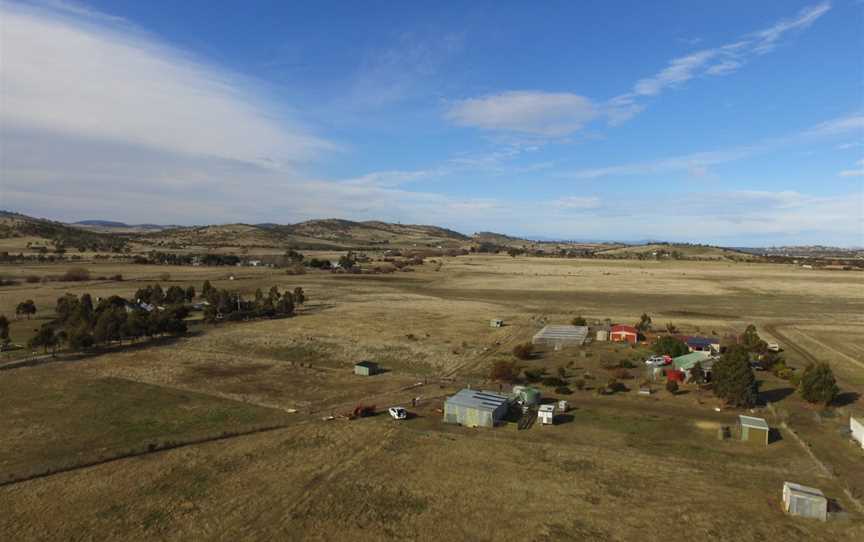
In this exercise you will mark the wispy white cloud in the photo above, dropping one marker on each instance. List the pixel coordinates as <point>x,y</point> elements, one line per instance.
<point>540,113</point>
<point>70,70</point>
<point>857,172</point>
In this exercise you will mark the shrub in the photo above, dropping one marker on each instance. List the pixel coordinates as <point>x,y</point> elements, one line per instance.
<point>534,375</point>
<point>563,390</point>
<point>75,274</point>
<point>117,278</point>
<point>623,374</point>
<point>818,384</point>
<point>627,364</point>
<point>579,321</point>
<point>672,387</point>
<point>614,386</point>
<point>523,351</point>
<point>165,277</point>
<point>669,346</point>
<point>31,279</point>
<point>579,383</point>
<point>553,381</point>
<point>504,371</point>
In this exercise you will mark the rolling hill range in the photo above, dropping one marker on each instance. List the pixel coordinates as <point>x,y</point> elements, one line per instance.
<point>677,251</point>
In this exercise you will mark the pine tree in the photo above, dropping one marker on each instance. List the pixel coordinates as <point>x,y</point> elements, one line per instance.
<point>734,380</point>
<point>818,384</point>
<point>299,296</point>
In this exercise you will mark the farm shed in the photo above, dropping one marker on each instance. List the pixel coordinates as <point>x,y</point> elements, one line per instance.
<point>857,428</point>
<point>366,368</point>
<point>496,322</point>
<point>686,362</point>
<point>559,336</point>
<point>473,408</point>
<point>546,414</point>
<point>602,335</point>
<point>624,333</point>
<point>753,429</point>
<point>804,501</point>
<point>525,395</point>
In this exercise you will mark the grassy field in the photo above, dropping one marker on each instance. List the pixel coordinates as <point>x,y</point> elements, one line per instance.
<point>621,467</point>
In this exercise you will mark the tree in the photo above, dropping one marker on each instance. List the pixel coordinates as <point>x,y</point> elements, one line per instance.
<point>44,338</point>
<point>818,384</point>
<point>66,307</point>
<point>697,374</point>
<point>579,321</point>
<point>672,387</point>
<point>190,293</point>
<point>669,346</point>
<point>107,327</point>
<point>504,371</point>
<point>285,306</point>
<point>644,323</point>
<point>299,296</point>
<point>26,308</point>
<point>346,261</point>
<point>135,325</point>
<point>206,289</point>
<point>523,351</point>
<point>4,331</point>
<point>79,337</point>
<point>175,295</point>
<point>733,378</point>
<point>751,341</point>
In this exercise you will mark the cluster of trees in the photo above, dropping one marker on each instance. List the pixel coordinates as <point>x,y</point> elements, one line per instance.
<point>26,308</point>
<point>670,346</point>
<point>165,258</point>
<point>174,295</point>
<point>81,325</point>
<point>223,304</point>
<point>4,332</point>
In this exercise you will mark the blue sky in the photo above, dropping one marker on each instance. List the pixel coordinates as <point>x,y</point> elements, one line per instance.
<point>736,123</point>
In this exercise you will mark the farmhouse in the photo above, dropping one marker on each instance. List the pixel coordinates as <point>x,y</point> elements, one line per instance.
<point>753,429</point>
<point>686,362</point>
<point>702,344</point>
<point>561,335</point>
<point>857,427</point>
<point>366,368</point>
<point>804,501</point>
<point>624,333</point>
<point>473,408</point>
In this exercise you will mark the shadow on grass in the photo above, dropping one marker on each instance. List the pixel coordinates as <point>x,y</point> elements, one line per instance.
<point>846,398</point>
<point>774,435</point>
<point>775,395</point>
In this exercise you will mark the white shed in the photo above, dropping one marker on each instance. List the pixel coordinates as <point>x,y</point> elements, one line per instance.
<point>546,414</point>
<point>857,428</point>
<point>804,501</point>
<point>496,322</point>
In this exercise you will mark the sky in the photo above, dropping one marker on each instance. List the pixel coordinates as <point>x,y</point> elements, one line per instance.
<point>736,123</point>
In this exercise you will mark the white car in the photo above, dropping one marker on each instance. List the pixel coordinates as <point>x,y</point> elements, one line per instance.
<point>397,413</point>
<point>655,361</point>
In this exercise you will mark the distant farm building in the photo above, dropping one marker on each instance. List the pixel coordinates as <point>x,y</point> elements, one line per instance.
<point>804,501</point>
<point>624,333</point>
<point>496,322</point>
<point>857,428</point>
<point>753,430</point>
<point>702,344</point>
<point>366,368</point>
<point>560,336</point>
<point>602,335</point>
<point>473,408</point>
<point>546,414</point>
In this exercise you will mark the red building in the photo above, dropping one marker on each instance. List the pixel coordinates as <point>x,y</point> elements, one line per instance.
<point>624,333</point>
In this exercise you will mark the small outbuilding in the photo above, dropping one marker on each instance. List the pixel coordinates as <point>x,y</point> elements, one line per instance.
<point>686,362</point>
<point>559,336</point>
<point>546,414</point>
<point>496,322</point>
<point>753,429</point>
<point>624,333</point>
<point>807,502</point>
<point>525,395</point>
<point>366,368</point>
<point>856,426</point>
<point>602,335</point>
<point>475,408</point>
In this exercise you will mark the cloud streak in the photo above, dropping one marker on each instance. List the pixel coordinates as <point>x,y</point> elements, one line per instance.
<point>549,114</point>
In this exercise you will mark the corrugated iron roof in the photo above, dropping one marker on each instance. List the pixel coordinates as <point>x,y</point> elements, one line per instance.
<point>482,400</point>
<point>750,421</point>
<point>687,361</point>
<point>563,332</point>
<point>798,488</point>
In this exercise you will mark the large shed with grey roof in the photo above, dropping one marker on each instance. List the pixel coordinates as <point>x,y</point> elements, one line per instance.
<point>475,408</point>
<point>804,501</point>
<point>560,336</point>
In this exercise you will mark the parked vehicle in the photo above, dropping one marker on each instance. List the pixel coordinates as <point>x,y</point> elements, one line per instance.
<point>656,361</point>
<point>397,413</point>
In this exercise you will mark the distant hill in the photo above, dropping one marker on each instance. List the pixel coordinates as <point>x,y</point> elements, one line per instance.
<point>19,230</point>
<point>681,251</point>
<point>110,226</point>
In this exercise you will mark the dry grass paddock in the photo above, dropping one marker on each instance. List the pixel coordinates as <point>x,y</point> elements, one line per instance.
<point>620,467</point>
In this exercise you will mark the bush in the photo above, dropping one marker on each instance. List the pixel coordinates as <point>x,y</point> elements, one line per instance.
<point>75,274</point>
<point>534,375</point>
<point>563,390</point>
<point>523,351</point>
<point>553,381</point>
<point>31,279</point>
<point>623,374</point>
<point>614,386</point>
<point>818,384</point>
<point>504,371</point>
<point>117,278</point>
<point>165,277</point>
<point>672,387</point>
<point>579,383</point>
<point>579,321</point>
<point>669,346</point>
<point>627,364</point>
